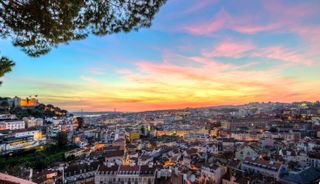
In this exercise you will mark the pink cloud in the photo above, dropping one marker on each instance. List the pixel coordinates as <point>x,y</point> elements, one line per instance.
<point>280,53</point>
<point>310,33</point>
<point>290,12</point>
<point>252,29</point>
<point>89,80</point>
<point>275,17</point>
<point>229,49</point>
<point>218,22</point>
<point>232,49</point>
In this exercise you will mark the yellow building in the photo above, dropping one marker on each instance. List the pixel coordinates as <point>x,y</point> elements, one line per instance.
<point>134,135</point>
<point>19,102</point>
<point>180,133</point>
<point>37,135</point>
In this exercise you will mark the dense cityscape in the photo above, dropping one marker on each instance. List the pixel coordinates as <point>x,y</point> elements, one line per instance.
<point>253,143</point>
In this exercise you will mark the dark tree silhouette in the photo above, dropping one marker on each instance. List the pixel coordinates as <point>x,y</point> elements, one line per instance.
<point>80,122</point>
<point>5,66</point>
<point>38,25</point>
<point>62,140</point>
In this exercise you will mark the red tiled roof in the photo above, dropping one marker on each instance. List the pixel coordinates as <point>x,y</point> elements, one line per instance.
<point>4,178</point>
<point>115,153</point>
<point>126,168</point>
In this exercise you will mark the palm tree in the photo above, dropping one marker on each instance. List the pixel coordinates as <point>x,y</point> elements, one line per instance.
<point>5,66</point>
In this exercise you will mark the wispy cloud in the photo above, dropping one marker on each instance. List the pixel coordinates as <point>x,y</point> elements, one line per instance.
<point>96,70</point>
<point>89,80</point>
<point>232,49</point>
<point>198,6</point>
<point>219,21</point>
<point>229,49</point>
<point>275,17</point>
<point>280,53</point>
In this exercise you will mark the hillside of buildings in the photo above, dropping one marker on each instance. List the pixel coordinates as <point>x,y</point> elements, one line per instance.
<point>29,107</point>
<point>32,134</point>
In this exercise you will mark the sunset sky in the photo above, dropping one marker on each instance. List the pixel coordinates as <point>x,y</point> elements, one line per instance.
<point>197,53</point>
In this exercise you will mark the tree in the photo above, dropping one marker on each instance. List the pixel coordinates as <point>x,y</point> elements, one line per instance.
<point>4,105</point>
<point>41,162</point>
<point>142,130</point>
<point>292,164</point>
<point>273,129</point>
<point>38,25</point>
<point>62,140</point>
<point>5,66</point>
<point>80,122</point>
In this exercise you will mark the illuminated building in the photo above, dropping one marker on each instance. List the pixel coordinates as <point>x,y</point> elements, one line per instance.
<point>37,135</point>
<point>27,103</point>
<point>75,152</point>
<point>134,135</point>
<point>180,132</point>
<point>15,140</point>
<point>250,123</point>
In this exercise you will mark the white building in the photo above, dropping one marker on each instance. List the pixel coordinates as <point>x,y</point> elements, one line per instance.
<point>7,116</point>
<point>125,174</point>
<point>212,174</point>
<point>264,167</point>
<point>37,134</point>
<point>32,122</point>
<point>12,124</point>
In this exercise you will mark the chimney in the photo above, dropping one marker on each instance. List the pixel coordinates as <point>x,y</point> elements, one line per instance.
<point>30,175</point>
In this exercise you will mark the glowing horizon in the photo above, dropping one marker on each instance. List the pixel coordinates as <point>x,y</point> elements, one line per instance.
<point>195,54</point>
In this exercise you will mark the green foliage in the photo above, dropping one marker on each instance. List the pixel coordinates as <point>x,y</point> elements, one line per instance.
<point>4,106</point>
<point>36,160</point>
<point>41,162</point>
<point>40,111</point>
<point>273,129</point>
<point>5,66</point>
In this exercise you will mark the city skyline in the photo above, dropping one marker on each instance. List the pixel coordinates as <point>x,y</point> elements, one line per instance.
<point>195,54</point>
